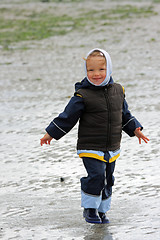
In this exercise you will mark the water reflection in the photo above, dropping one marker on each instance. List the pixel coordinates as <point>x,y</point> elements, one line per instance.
<point>99,232</point>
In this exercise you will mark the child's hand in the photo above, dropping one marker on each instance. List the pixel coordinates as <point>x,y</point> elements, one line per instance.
<point>46,139</point>
<point>140,135</point>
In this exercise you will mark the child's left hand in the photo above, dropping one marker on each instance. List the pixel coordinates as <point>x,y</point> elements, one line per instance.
<point>46,139</point>
<point>140,135</point>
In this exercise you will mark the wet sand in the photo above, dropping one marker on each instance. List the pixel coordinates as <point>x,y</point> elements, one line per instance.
<point>35,85</point>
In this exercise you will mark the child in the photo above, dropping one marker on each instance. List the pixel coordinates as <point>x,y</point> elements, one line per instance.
<point>100,106</point>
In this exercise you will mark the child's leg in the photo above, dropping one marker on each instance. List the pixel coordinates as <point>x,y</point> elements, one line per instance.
<point>107,191</point>
<point>93,184</point>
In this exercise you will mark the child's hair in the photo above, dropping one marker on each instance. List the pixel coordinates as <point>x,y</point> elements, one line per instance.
<point>95,53</point>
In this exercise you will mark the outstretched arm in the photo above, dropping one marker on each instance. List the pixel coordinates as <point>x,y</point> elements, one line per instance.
<point>129,122</point>
<point>131,125</point>
<point>65,121</point>
<point>140,135</point>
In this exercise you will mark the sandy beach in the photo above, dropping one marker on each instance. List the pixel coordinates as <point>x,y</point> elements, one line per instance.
<point>37,79</point>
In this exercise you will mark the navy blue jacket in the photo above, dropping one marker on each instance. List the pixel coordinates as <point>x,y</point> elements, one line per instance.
<point>74,109</point>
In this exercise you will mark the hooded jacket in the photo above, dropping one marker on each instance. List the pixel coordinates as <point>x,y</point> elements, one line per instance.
<point>101,123</point>
<point>75,110</point>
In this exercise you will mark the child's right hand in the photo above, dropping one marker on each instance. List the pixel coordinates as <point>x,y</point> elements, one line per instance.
<point>46,139</point>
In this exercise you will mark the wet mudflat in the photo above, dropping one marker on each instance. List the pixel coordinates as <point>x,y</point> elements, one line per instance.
<point>36,81</point>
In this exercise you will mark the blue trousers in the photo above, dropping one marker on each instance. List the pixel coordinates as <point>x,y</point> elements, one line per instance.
<point>96,188</point>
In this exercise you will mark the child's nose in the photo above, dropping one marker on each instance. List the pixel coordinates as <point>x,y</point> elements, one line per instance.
<point>96,73</point>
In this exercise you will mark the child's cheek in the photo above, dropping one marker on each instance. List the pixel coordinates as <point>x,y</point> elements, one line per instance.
<point>89,75</point>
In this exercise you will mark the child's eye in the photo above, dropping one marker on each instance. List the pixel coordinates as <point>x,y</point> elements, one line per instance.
<point>102,69</point>
<point>90,70</point>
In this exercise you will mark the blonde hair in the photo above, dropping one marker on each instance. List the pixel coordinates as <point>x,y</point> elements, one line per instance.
<point>95,53</point>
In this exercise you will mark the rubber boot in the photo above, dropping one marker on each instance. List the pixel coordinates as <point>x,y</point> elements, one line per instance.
<point>91,215</point>
<point>103,218</point>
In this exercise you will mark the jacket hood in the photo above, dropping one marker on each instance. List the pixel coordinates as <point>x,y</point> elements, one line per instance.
<point>108,67</point>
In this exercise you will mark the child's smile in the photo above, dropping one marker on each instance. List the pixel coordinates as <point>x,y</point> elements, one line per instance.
<point>96,69</point>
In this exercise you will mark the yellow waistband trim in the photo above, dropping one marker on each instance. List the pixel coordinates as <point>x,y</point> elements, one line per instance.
<point>93,155</point>
<point>114,158</point>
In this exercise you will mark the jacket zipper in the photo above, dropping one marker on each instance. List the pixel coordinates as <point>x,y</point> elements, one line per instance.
<point>109,120</point>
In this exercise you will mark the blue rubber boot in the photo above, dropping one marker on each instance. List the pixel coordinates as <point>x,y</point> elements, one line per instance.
<point>91,215</point>
<point>103,218</point>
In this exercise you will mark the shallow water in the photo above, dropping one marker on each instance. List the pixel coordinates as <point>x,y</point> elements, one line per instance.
<point>35,85</point>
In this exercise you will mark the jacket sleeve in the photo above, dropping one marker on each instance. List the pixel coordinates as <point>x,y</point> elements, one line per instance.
<point>67,119</point>
<point>129,122</point>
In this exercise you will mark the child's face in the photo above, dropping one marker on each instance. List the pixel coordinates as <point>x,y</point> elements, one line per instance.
<point>96,69</point>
